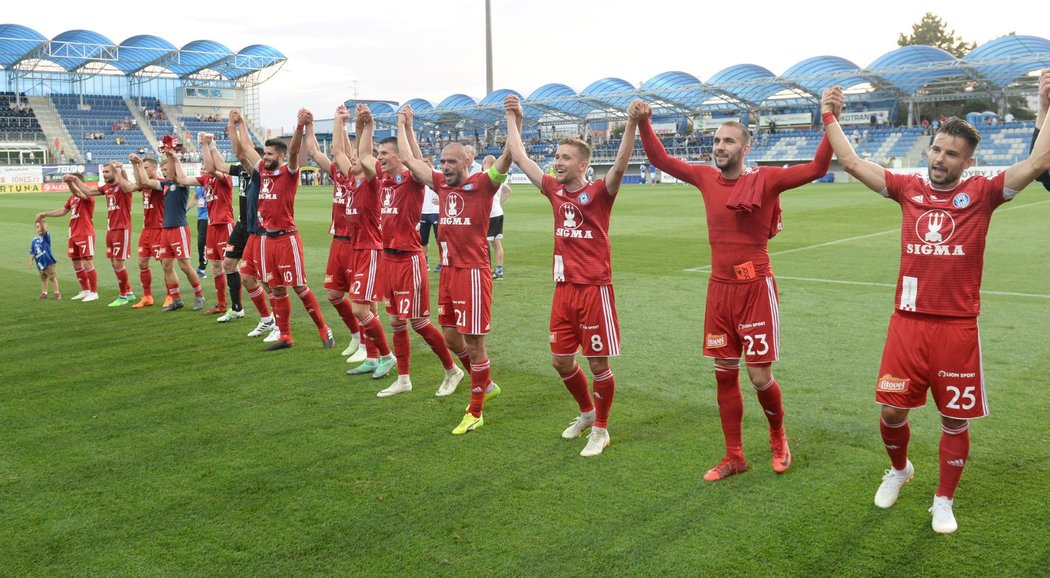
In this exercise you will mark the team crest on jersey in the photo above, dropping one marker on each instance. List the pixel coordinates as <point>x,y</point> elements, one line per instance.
<point>571,216</point>
<point>961,201</point>
<point>468,187</point>
<point>454,205</point>
<point>584,198</point>
<point>398,179</point>
<point>388,197</point>
<point>935,227</point>
<point>266,186</point>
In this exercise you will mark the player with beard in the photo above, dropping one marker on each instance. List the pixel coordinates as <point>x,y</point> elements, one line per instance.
<point>583,312</point>
<point>81,210</point>
<point>742,318</point>
<point>933,342</point>
<point>405,285</point>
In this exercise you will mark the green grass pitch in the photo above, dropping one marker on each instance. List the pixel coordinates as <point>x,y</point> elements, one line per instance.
<point>139,443</point>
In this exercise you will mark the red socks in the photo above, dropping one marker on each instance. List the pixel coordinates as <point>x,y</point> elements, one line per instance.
<point>146,278</point>
<point>479,381</point>
<point>954,450</point>
<point>259,298</point>
<point>436,341</point>
<point>770,399</point>
<point>376,342</point>
<point>173,290</point>
<point>730,408</point>
<point>346,313</point>
<point>604,389</point>
<point>312,307</point>
<point>402,348</point>
<point>220,291</point>
<point>282,310</point>
<point>92,278</point>
<point>123,285</point>
<point>576,383</point>
<point>82,278</point>
<point>895,437</point>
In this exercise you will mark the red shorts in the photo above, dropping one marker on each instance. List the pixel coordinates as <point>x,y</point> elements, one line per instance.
<point>215,241</point>
<point>251,260</point>
<point>366,282</point>
<point>149,239</point>
<point>339,273</point>
<point>465,300</point>
<point>282,260</point>
<point>584,316</point>
<point>118,244</point>
<point>81,248</point>
<point>174,243</point>
<point>406,288</point>
<point>936,353</point>
<point>742,319</point>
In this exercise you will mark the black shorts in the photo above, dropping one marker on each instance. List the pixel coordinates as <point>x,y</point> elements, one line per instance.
<point>238,239</point>
<point>495,228</point>
<point>427,221</point>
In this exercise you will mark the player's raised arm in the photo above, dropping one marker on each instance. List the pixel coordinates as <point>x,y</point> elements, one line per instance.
<point>1040,117</point>
<point>800,174</point>
<point>341,148</point>
<point>122,179</point>
<point>314,149</point>
<point>219,165</point>
<point>141,177</point>
<point>421,173</point>
<point>623,156</point>
<point>207,141</point>
<point>81,190</point>
<point>63,210</point>
<point>654,149</point>
<point>304,118</point>
<point>410,115</point>
<point>1023,173</point>
<point>515,119</point>
<point>365,126</point>
<point>178,170</point>
<point>872,175</point>
<point>242,142</point>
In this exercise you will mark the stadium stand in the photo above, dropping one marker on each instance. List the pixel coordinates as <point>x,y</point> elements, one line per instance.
<point>102,125</point>
<point>18,122</point>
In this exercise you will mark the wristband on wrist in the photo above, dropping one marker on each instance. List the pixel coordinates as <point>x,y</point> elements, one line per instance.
<point>828,118</point>
<point>300,128</point>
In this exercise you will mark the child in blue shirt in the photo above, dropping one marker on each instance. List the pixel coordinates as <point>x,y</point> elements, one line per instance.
<point>40,256</point>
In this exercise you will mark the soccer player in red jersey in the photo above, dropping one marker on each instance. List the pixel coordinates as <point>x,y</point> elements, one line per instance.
<point>152,224</point>
<point>742,316</point>
<point>118,222</point>
<point>218,194</point>
<point>338,274</point>
<point>465,286</point>
<point>81,236</point>
<point>933,341</point>
<point>1044,110</point>
<point>583,313</point>
<point>405,286</point>
<point>361,214</point>
<point>281,247</point>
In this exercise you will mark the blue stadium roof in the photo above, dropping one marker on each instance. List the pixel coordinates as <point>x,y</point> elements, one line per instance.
<point>821,72</point>
<point>610,93</point>
<point>998,61</point>
<point>748,83</point>
<point>678,88</point>
<point>909,68</point>
<point>73,49</point>
<point>555,98</point>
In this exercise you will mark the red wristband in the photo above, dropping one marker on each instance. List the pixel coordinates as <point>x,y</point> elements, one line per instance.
<point>300,128</point>
<point>828,118</point>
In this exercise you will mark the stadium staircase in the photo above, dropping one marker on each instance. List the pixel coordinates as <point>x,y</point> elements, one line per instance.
<point>54,128</point>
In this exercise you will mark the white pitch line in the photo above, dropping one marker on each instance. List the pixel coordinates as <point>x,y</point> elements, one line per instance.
<point>707,268</point>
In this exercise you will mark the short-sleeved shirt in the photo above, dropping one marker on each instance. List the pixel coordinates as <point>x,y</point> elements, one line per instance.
<point>118,206</point>
<point>464,218</point>
<point>40,249</point>
<point>81,213</point>
<point>943,236</point>
<point>582,254</point>
<point>401,205</point>
<point>152,208</point>
<point>175,198</point>
<point>362,212</point>
<point>218,198</point>
<point>277,190</point>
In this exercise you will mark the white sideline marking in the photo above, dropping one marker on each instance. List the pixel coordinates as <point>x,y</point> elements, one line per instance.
<point>707,268</point>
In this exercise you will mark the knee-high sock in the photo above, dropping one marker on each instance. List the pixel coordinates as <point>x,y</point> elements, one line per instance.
<point>772,404</point>
<point>123,285</point>
<point>954,450</point>
<point>346,313</point>
<point>92,276</point>
<point>895,437</point>
<point>233,283</point>
<point>464,358</point>
<point>604,389</point>
<point>435,340</point>
<point>282,310</point>
<point>479,381</point>
<point>312,307</point>
<point>220,291</point>
<point>576,383</point>
<point>730,407</point>
<point>402,349</point>
<point>146,278</point>
<point>82,278</point>
<point>376,336</point>
<point>197,292</point>
<point>259,299</point>
<point>174,291</point>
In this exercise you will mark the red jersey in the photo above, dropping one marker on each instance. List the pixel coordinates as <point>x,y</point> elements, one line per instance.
<point>463,219</point>
<point>277,197</point>
<point>581,232</point>
<point>362,213</point>
<point>401,204</point>
<point>152,209</point>
<point>942,242</point>
<point>218,193</point>
<point>118,206</point>
<point>739,240</point>
<point>340,213</point>
<point>80,214</point>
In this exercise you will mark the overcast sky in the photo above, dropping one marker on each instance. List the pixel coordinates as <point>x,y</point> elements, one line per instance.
<point>401,50</point>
